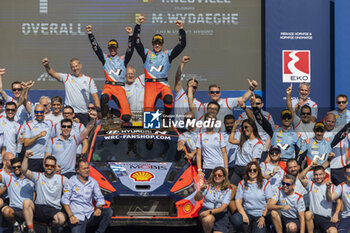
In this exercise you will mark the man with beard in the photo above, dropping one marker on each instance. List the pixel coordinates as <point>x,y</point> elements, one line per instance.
<point>304,100</point>
<point>287,207</point>
<point>20,189</point>
<point>48,189</point>
<point>320,216</point>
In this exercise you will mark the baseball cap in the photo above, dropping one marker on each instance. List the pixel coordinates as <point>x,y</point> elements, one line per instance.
<point>319,125</point>
<point>275,147</point>
<point>113,43</point>
<point>286,112</point>
<point>158,38</point>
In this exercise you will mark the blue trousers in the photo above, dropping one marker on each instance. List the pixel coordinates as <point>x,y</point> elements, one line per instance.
<point>102,221</point>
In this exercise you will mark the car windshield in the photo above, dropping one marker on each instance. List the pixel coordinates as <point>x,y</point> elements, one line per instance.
<point>125,148</point>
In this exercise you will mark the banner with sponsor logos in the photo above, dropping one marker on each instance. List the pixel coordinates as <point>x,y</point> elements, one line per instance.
<point>297,50</point>
<point>223,37</point>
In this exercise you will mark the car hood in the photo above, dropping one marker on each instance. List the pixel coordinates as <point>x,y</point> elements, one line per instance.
<point>140,176</point>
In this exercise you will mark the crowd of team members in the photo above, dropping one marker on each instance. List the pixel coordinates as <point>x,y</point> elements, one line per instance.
<point>293,177</point>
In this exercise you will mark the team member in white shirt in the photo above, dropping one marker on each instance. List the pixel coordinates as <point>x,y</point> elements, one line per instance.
<point>227,105</point>
<point>342,191</point>
<point>182,96</point>
<point>304,99</point>
<point>342,114</point>
<point>320,215</point>
<point>78,88</point>
<point>188,140</point>
<point>56,115</point>
<point>303,125</point>
<point>134,90</point>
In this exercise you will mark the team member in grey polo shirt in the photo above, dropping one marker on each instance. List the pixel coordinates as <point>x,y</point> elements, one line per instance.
<point>64,147</point>
<point>77,128</point>
<point>78,88</point>
<point>36,135</point>
<point>49,190</point>
<point>11,129</point>
<point>188,139</point>
<point>20,189</point>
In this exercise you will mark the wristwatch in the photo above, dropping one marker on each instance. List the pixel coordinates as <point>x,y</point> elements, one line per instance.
<point>210,212</point>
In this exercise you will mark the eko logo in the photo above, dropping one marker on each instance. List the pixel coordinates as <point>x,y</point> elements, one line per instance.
<point>296,66</point>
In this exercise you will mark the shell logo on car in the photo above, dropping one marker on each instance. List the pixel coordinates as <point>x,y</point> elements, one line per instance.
<point>142,176</point>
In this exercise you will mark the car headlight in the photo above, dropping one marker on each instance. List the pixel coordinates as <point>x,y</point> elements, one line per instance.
<point>105,192</point>
<point>186,191</point>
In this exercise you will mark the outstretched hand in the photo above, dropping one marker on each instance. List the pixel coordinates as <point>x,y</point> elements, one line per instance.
<point>128,30</point>
<point>179,24</point>
<point>89,28</point>
<point>2,71</point>
<point>289,89</point>
<point>185,59</point>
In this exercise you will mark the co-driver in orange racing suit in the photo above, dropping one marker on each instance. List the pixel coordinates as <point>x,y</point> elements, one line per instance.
<point>156,67</point>
<point>115,71</point>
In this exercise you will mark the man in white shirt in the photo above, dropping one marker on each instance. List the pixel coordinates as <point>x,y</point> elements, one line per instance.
<point>78,88</point>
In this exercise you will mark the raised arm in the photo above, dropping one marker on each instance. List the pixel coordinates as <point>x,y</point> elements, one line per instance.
<point>90,125</point>
<point>252,85</point>
<point>97,49</point>
<point>341,135</point>
<point>178,81</point>
<point>330,196</point>
<point>182,42</point>
<point>49,70</point>
<point>131,46</point>
<point>138,44</point>
<point>3,93</point>
<point>260,118</point>
<point>249,113</point>
<point>289,100</point>
<point>24,168</point>
<point>302,175</point>
<point>232,138</point>
<point>190,91</point>
<point>23,99</point>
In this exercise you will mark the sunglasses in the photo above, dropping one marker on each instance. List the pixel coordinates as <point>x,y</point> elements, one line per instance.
<point>67,113</point>
<point>17,89</point>
<point>91,108</point>
<point>341,102</point>
<point>245,127</point>
<point>66,126</point>
<point>10,109</point>
<point>194,87</point>
<point>214,92</point>
<point>37,112</point>
<point>306,113</point>
<point>15,167</point>
<point>218,175</point>
<point>274,152</point>
<point>49,165</point>
<point>286,118</point>
<point>258,103</point>
<point>45,105</point>
<point>347,173</point>
<point>252,170</point>
<point>285,183</point>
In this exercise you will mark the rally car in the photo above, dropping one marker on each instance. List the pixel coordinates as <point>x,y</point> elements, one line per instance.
<point>143,177</point>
